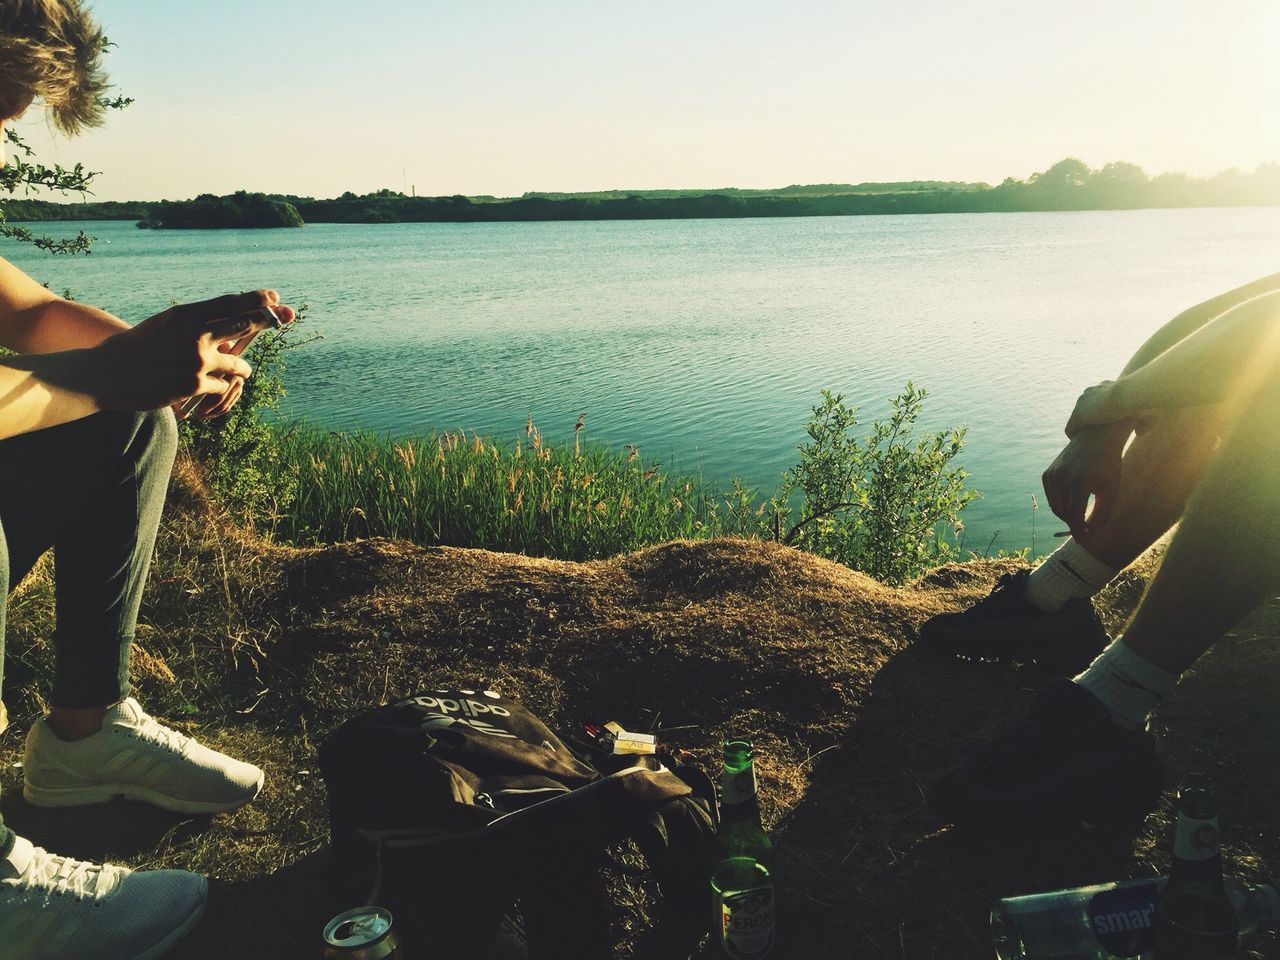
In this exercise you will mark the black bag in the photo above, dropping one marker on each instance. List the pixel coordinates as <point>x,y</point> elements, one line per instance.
<point>459,809</point>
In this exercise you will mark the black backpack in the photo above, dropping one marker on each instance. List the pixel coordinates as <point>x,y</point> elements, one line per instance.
<point>476,825</point>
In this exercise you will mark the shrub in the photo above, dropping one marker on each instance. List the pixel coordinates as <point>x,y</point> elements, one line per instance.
<point>883,504</point>
<point>240,453</point>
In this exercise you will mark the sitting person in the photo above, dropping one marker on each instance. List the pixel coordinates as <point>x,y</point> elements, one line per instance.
<point>1188,434</point>
<point>86,447</point>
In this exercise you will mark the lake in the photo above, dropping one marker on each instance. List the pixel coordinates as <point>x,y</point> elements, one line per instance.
<point>705,342</point>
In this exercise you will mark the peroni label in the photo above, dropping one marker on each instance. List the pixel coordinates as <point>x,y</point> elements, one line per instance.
<point>746,923</point>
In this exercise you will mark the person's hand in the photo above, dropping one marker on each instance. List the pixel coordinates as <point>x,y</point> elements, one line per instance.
<point>1098,406</point>
<point>1088,466</point>
<point>217,404</point>
<point>183,351</point>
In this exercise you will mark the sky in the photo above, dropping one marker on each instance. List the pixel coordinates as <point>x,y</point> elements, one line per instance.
<point>317,97</point>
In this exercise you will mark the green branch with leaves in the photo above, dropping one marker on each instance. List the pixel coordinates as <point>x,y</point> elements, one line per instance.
<point>26,174</point>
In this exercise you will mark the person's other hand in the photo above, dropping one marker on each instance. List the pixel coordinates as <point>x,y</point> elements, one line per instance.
<point>1088,466</point>
<point>1098,406</point>
<point>182,351</point>
<point>218,404</point>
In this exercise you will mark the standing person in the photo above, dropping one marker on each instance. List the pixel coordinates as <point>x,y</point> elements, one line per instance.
<point>1188,434</point>
<point>86,447</point>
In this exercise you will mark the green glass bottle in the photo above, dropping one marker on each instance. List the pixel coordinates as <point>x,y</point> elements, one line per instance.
<point>742,882</point>
<point>1194,917</point>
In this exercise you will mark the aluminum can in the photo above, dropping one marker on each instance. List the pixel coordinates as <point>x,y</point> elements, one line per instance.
<point>364,933</point>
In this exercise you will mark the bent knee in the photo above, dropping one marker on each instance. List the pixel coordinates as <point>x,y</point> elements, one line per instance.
<point>150,434</point>
<point>1187,427</point>
<point>163,427</point>
<point>161,430</point>
<point>1262,400</point>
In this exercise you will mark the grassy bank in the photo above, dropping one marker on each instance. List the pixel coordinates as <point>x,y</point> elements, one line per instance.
<point>261,649</point>
<point>887,502</point>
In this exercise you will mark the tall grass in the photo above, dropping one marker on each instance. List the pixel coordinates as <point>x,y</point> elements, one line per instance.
<point>576,502</point>
<point>885,503</point>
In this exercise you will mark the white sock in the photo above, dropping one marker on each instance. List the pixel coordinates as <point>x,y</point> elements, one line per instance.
<point>1069,573</point>
<point>17,860</point>
<point>1128,685</point>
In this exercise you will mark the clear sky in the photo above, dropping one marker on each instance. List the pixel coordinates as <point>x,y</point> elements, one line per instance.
<point>315,97</point>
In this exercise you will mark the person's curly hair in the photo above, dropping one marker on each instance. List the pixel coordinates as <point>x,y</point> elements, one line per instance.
<point>52,50</point>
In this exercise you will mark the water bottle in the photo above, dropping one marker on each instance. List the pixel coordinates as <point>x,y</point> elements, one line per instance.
<point>1107,920</point>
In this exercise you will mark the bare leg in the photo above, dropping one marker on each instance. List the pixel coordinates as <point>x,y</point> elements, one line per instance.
<point>1161,468</point>
<point>72,723</point>
<point>1226,553</point>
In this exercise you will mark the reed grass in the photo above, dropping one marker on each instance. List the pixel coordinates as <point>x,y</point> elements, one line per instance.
<point>576,501</point>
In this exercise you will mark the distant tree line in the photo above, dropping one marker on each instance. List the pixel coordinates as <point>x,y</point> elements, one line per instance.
<point>1067,185</point>
<point>903,186</point>
<point>32,210</point>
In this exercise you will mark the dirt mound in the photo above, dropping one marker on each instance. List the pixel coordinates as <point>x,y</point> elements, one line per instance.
<point>261,649</point>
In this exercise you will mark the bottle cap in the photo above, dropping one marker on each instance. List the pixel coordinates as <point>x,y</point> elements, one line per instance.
<point>1197,797</point>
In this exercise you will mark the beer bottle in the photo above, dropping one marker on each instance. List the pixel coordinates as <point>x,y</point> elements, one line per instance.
<point>1106,920</point>
<point>742,882</point>
<point>1194,917</point>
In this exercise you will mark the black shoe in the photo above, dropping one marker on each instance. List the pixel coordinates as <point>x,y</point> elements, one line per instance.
<point>1067,765</point>
<point>1005,627</point>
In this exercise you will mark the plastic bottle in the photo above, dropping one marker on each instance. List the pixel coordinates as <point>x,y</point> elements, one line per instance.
<point>1106,921</point>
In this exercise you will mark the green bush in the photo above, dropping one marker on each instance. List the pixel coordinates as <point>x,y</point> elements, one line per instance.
<point>883,504</point>
<point>240,453</point>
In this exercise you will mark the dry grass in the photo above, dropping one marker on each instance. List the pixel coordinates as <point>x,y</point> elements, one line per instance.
<point>261,650</point>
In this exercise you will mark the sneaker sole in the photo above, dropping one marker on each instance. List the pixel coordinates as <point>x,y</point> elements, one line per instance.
<point>52,797</point>
<point>169,942</point>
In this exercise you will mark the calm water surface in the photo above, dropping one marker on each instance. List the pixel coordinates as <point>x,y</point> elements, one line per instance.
<point>706,342</point>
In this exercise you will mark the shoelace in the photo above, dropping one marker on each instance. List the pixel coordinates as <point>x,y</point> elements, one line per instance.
<point>1005,592</point>
<point>60,875</point>
<point>149,729</point>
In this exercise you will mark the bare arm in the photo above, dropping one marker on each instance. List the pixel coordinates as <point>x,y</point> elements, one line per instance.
<point>1190,320</point>
<point>1111,437</point>
<point>51,381</point>
<point>34,320</point>
<point>1090,464</point>
<point>45,390</point>
<point>1227,359</point>
<point>163,359</point>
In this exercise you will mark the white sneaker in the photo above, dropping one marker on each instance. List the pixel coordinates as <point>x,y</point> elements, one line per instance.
<point>56,908</point>
<point>135,757</point>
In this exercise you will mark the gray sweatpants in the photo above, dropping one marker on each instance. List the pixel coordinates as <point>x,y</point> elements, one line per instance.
<point>93,490</point>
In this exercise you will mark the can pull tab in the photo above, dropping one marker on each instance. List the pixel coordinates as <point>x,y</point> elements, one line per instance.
<point>357,928</point>
<point>363,929</point>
